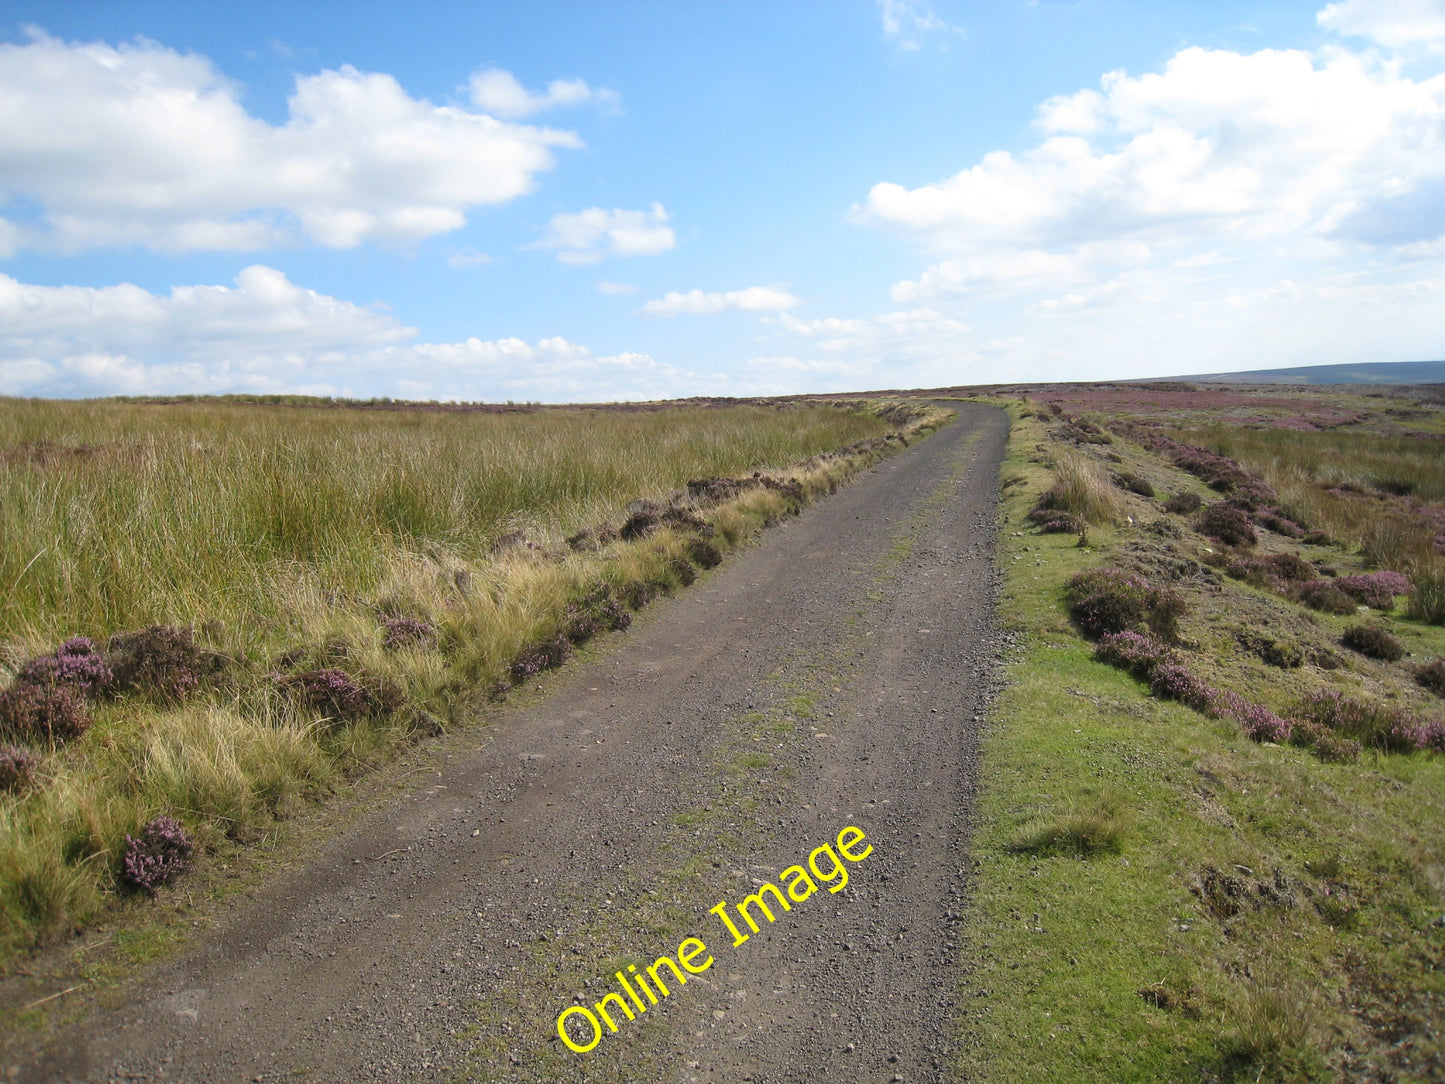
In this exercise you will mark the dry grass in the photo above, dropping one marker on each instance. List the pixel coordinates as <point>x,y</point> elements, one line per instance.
<point>1082,488</point>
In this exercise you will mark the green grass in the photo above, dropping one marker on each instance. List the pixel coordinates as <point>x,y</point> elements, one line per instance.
<point>1103,941</point>
<point>282,536</point>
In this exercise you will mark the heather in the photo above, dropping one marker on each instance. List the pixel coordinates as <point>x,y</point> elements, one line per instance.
<point>160,854</point>
<point>1283,792</point>
<point>1113,600</point>
<point>1373,641</point>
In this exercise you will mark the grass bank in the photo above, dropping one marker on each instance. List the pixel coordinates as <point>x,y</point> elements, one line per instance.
<point>1158,896</point>
<point>217,612</point>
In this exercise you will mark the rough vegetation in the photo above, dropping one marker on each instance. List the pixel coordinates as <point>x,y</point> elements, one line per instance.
<point>1273,911</point>
<point>254,602</point>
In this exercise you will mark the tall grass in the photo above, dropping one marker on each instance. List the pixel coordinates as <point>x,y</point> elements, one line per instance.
<point>1080,487</point>
<point>124,514</point>
<point>1399,465</point>
<point>286,538</point>
<point>1324,480</point>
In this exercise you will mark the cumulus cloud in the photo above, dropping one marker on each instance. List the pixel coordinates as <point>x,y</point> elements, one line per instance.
<point>594,234</point>
<point>698,303</point>
<point>910,332</point>
<point>1397,24</point>
<point>497,91</point>
<point>1278,147</point>
<point>908,23</point>
<point>140,144</point>
<point>266,334</point>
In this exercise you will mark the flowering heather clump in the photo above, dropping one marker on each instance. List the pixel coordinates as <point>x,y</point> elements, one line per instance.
<point>333,692</point>
<point>1378,725</point>
<point>1134,483</point>
<point>75,664</point>
<point>1253,496</point>
<point>1376,590</point>
<point>640,593</point>
<point>1166,607</point>
<point>1273,573</point>
<point>1218,472</point>
<point>1258,722</point>
<point>403,632</point>
<point>1105,600</point>
<point>1373,641</point>
<point>1171,681</point>
<point>595,611</point>
<point>1279,524</point>
<point>53,713</point>
<point>703,553</point>
<point>682,568</point>
<point>1134,652</point>
<point>1183,504</point>
<point>1324,596</point>
<point>1432,676</point>
<point>162,853</point>
<point>1289,566</point>
<point>17,769</point>
<point>1227,524</point>
<point>545,655</point>
<point>1326,745</point>
<point>161,661</point>
<point>1053,522</point>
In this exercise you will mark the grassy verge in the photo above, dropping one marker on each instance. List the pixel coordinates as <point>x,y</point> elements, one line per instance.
<point>274,599</point>
<point>1157,896</point>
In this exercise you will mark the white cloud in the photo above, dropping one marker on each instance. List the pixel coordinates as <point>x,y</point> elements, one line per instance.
<point>1314,154</point>
<point>1397,24</point>
<point>468,257</point>
<point>266,334</point>
<point>698,303</point>
<point>594,234</point>
<point>139,144</point>
<point>498,92</point>
<point>907,23</point>
<point>891,334</point>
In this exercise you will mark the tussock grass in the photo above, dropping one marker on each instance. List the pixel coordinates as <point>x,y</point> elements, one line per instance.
<point>1273,1018</point>
<point>1096,827</point>
<point>285,539</point>
<point>1081,487</point>
<point>1426,601</point>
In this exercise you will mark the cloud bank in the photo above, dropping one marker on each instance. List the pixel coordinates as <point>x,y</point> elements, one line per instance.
<point>138,144</point>
<point>265,335</point>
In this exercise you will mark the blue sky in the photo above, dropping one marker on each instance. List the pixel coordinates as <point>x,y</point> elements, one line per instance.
<point>601,201</point>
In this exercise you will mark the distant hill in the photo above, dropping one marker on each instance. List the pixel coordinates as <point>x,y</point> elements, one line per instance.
<point>1382,372</point>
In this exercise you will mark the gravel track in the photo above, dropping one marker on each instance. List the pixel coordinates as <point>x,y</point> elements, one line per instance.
<point>832,675</point>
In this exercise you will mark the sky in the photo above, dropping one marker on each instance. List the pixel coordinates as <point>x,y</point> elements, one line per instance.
<point>584,202</point>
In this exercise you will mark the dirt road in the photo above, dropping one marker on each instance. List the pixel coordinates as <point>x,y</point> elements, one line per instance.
<point>829,677</point>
